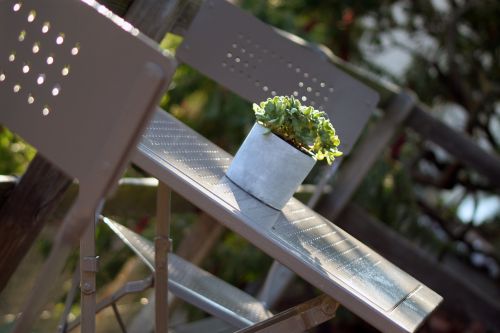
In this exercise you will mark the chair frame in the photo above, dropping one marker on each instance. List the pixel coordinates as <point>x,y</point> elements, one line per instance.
<point>90,135</point>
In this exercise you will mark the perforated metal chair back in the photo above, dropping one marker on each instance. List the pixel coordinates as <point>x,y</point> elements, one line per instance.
<point>67,88</point>
<point>252,59</point>
<point>79,84</point>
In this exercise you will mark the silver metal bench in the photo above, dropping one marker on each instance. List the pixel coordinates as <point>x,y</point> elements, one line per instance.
<point>305,242</point>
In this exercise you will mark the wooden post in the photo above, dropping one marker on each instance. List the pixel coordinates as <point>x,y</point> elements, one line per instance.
<point>368,151</point>
<point>24,211</point>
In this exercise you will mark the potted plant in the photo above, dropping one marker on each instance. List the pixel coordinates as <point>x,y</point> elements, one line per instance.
<point>281,149</point>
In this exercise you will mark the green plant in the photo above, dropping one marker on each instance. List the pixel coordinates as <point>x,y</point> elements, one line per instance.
<point>304,127</point>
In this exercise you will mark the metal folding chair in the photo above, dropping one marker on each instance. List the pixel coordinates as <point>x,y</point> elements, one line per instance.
<point>313,247</point>
<point>256,61</point>
<point>67,88</point>
<point>253,60</point>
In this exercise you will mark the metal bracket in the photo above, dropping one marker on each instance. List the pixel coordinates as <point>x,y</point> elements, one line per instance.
<point>128,288</point>
<point>299,318</point>
<point>89,265</point>
<point>163,245</point>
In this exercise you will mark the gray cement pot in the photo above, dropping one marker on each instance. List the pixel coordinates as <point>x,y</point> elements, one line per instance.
<point>269,168</point>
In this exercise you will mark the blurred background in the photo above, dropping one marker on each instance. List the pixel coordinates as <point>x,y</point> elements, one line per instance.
<point>446,51</point>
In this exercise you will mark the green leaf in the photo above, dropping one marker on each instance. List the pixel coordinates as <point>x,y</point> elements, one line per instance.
<point>303,126</point>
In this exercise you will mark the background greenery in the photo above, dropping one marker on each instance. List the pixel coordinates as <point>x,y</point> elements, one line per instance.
<point>447,51</point>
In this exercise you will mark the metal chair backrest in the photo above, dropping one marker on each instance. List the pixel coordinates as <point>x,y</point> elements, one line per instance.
<point>252,59</point>
<point>67,88</point>
<point>78,83</point>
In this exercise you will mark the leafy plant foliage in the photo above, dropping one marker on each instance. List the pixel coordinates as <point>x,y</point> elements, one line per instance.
<point>302,126</point>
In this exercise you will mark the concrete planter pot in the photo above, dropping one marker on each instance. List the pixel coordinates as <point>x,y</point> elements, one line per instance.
<point>269,168</point>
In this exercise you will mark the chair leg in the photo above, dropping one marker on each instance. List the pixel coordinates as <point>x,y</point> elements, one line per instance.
<point>118,318</point>
<point>75,281</point>
<point>127,289</point>
<point>162,247</point>
<point>88,269</point>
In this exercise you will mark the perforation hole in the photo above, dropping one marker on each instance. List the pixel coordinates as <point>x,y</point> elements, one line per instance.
<point>16,88</point>
<point>31,99</point>
<point>301,84</point>
<point>237,59</point>
<point>309,89</point>
<point>322,84</point>
<point>50,60</point>
<point>289,65</point>
<point>26,68</point>
<point>36,48</point>
<point>243,50</point>
<point>17,6</point>
<point>265,88</point>
<point>229,55</point>
<point>31,16</point>
<point>2,76</point>
<point>45,111</point>
<point>22,36</point>
<point>306,75</point>
<point>325,99</point>
<point>45,27</point>
<point>60,39</point>
<point>235,45</point>
<point>12,56</point>
<point>56,90</point>
<point>76,49</point>
<point>297,70</point>
<point>40,79</point>
<point>330,90</point>
<point>273,93</point>
<point>295,93</point>
<point>304,98</point>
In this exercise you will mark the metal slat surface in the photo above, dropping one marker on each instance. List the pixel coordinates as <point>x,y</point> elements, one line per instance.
<point>307,243</point>
<point>212,325</point>
<point>197,286</point>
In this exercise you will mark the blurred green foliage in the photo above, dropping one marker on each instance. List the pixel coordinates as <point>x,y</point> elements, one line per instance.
<point>14,153</point>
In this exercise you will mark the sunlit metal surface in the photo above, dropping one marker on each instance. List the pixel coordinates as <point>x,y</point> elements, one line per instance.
<point>196,286</point>
<point>313,247</point>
